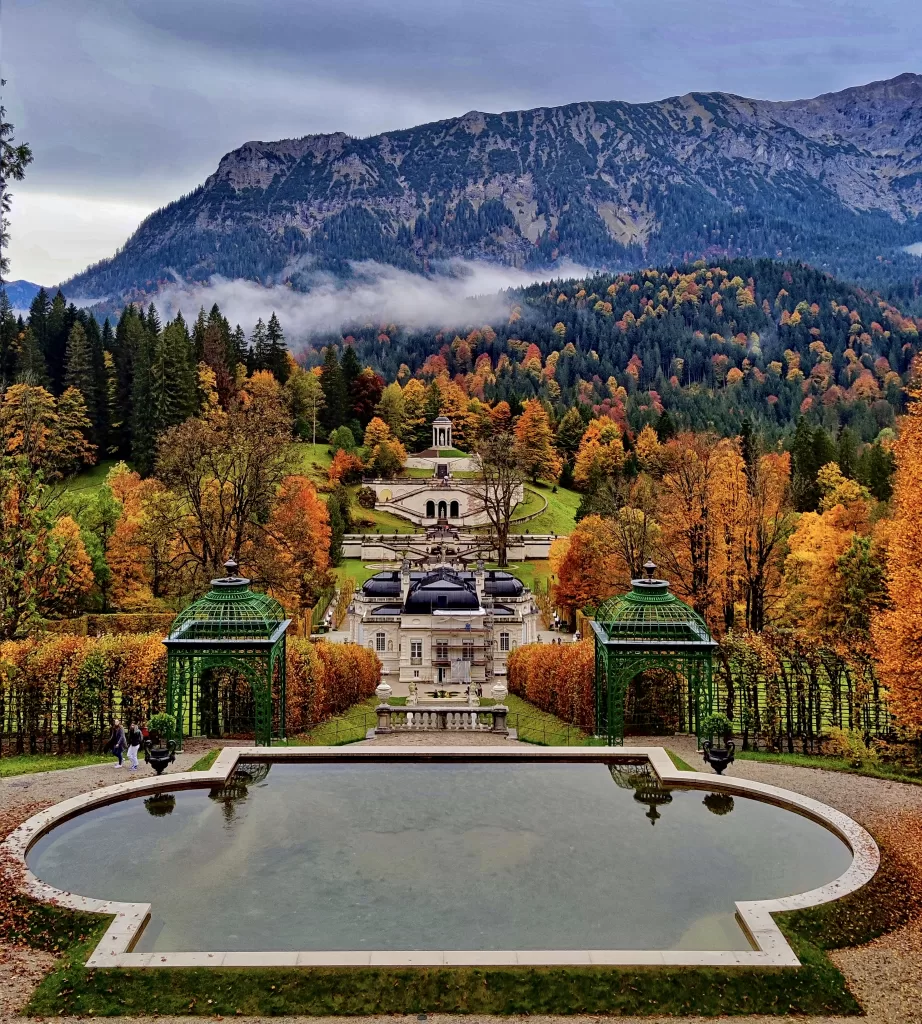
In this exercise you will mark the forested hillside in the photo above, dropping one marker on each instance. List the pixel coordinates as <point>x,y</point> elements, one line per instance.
<point>712,344</point>
<point>835,181</point>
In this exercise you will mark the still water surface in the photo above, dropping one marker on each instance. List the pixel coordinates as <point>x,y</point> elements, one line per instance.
<point>439,856</point>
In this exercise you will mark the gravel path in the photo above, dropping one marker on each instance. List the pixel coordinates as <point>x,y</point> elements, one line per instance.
<point>886,975</point>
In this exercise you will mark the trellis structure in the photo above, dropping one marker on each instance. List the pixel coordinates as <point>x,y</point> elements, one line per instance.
<point>646,629</point>
<point>233,628</point>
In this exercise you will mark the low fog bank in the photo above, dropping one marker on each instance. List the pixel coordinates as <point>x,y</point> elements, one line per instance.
<point>468,292</point>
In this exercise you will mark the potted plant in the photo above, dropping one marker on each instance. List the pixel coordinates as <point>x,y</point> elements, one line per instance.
<point>718,757</point>
<point>164,753</point>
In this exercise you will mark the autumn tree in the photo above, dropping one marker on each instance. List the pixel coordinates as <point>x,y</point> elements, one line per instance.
<point>897,632</point>
<point>291,557</point>
<point>600,453</point>
<point>50,434</point>
<point>44,567</point>
<point>592,568</point>
<point>223,473</point>
<point>496,489</point>
<point>534,439</point>
<point>305,398</point>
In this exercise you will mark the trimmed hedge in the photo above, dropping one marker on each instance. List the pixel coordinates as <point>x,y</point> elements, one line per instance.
<point>557,678</point>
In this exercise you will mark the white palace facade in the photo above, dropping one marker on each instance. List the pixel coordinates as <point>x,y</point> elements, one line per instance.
<point>443,626</point>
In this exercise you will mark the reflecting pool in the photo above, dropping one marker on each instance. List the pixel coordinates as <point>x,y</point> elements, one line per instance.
<point>439,856</point>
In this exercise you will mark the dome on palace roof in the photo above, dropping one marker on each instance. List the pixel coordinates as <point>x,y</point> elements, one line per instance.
<point>500,583</point>
<point>382,584</point>
<point>441,590</point>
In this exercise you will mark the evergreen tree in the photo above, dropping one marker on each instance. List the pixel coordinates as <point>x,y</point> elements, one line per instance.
<point>569,434</point>
<point>351,368</point>
<point>143,425</point>
<point>9,336</point>
<point>57,330</point>
<point>30,363</point>
<point>847,454</point>
<point>239,353</point>
<point>335,396</point>
<point>337,528</point>
<point>79,372</point>
<point>276,350</point>
<point>665,427</point>
<point>172,378</point>
<point>39,311</point>
<point>130,336</point>
<point>811,449</point>
<point>198,336</point>
<point>875,471</point>
<point>259,347</point>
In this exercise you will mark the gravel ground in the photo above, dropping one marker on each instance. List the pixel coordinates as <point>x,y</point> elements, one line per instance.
<point>886,975</point>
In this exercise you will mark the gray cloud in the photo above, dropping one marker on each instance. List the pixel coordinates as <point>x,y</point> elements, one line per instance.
<point>469,292</point>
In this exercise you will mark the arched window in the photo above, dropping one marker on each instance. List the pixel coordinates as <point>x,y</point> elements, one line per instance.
<point>380,640</point>
<point>453,510</point>
<point>443,510</point>
<point>430,510</point>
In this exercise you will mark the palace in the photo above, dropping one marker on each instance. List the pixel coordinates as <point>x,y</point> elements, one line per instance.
<point>443,626</point>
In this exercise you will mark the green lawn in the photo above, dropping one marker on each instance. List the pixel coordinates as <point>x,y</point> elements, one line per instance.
<point>355,568</point>
<point>204,763</point>
<point>559,517</point>
<point>528,572</point>
<point>90,479</point>
<point>831,764</point>
<point>382,521</point>
<point>26,764</point>
<point>313,460</point>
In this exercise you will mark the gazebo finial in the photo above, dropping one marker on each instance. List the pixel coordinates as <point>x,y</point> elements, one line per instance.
<point>231,566</point>
<point>649,568</point>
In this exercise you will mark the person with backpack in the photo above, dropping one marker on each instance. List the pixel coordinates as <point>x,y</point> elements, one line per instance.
<point>134,744</point>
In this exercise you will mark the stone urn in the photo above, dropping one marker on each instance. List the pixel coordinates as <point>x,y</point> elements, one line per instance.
<point>159,757</point>
<point>499,692</point>
<point>383,692</point>
<point>718,757</point>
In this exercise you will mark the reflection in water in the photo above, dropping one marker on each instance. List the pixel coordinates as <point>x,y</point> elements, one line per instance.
<point>718,803</point>
<point>646,785</point>
<point>160,805</point>
<point>234,790</point>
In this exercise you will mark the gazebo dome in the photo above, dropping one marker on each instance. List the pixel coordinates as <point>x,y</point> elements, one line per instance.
<point>650,615</point>
<point>230,611</point>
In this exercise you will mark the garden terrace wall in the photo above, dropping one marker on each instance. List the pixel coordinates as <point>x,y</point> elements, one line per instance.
<point>59,692</point>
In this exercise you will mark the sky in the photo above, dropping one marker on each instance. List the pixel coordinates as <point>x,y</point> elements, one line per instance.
<point>128,104</point>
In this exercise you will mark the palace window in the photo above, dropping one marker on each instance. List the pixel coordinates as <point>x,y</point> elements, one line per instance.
<point>504,641</point>
<point>416,652</point>
<point>380,642</point>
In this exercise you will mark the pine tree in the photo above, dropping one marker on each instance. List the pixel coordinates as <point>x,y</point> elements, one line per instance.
<point>239,352</point>
<point>172,377</point>
<point>276,350</point>
<point>39,311</point>
<point>130,336</point>
<point>79,372</point>
<point>570,433</point>
<point>335,396</point>
<point>9,334</point>
<point>143,426</point>
<point>30,363</point>
<point>351,368</point>
<point>259,347</point>
<point>57,330</point>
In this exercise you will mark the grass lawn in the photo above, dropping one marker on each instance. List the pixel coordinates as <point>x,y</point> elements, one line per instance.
<point>382,521</point>
<point>559,517</point>
<point>313,460</point>
<point>538,569</point>
<point>204,763</point>
<point>26,764</point>
<point>90,479</point>
<point>355,568</point>
<point>831,764</point>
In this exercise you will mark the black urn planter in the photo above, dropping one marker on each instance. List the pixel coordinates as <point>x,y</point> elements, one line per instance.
<point>718,757</point>
<point>159,757</point>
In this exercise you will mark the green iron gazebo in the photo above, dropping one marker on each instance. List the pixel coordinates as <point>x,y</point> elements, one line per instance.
<point>650,628</point>
<point>231,627</point>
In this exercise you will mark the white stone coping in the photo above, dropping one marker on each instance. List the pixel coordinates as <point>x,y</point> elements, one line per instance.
<point>770,948</point>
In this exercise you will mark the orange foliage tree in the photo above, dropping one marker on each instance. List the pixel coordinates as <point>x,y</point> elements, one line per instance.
<point>591,569</point>
<point>534,440</point>
<point>897,632</point>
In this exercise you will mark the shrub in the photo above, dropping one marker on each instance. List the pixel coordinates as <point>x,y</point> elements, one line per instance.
<point>366,497</point>
<point>717,725</point>
<point>557,678</point>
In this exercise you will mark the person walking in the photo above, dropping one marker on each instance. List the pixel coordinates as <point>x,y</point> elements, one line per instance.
<point>134,744</point>
<point>119,743</point>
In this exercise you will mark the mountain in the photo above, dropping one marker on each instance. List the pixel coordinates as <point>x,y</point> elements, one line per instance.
<point>21,293</point>
<point>835,181</point>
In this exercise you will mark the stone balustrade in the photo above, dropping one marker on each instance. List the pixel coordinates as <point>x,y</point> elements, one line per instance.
<point>436,718</point>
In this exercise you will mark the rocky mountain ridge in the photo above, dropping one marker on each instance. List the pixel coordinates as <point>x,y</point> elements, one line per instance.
<point>835,180</point>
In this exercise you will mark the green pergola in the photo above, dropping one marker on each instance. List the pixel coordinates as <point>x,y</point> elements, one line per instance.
<point>235,628</point>
<point>645,629</point>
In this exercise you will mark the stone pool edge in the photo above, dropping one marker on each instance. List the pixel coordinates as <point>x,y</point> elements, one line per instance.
<point>771,947</point>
